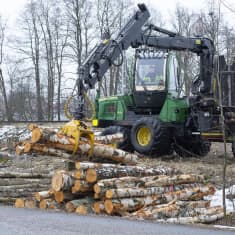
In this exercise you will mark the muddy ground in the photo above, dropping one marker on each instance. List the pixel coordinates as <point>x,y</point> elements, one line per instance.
<point>211,165</point>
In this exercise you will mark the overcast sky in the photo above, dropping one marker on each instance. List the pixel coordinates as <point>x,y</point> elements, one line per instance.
<point>11,8</point>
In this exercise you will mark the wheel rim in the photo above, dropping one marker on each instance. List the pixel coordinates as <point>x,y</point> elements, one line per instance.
<point>143,136</point>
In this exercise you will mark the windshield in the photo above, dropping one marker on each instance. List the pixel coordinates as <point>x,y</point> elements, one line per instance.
<point>150,74</point>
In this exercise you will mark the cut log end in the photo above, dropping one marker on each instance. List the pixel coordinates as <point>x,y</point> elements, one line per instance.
<point>108,205</point>
<point>91,176</point>
<point>59,196</point>
<point>70,207</point>
<point>43,204</point>
<point>98,207</point>
<point>32,126</point>
<point>97,188</point>
<point>57,181</point>
<point>20,203</point>
<point>27,147</point>
<point>19,150</point>
<point>109,194</point>
<point>81,210</point>
<point>36,135</point>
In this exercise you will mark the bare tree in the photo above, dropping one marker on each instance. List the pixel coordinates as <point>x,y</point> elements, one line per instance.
<point>2,80</point>
<point>31,49</point>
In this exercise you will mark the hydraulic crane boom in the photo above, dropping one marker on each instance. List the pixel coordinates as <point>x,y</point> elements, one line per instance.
<point>133,34</point>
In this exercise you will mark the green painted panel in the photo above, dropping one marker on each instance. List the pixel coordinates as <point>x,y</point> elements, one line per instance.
<point>114,107</point>
<point>174,110</point>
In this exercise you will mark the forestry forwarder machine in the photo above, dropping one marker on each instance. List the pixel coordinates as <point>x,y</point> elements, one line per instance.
<point>157,117</point>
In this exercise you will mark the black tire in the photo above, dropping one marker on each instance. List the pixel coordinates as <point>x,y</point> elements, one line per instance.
<point>192,147</point>
<point>126,143</point>
<point>159,143</point>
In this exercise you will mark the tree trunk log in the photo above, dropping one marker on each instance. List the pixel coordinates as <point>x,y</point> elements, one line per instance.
<point>176,179</point>
<point>72,205</point>
<point>66,196</point>
<point>82,186</point>
<point>193,204</point>
<point>117,155</point>
<point>194,219</point>
<point>92,165</point>
<point>23,181</point>
<point>159,212</point>
<point>42,148</point>
<point>39,196</point>
<point>142,192</point>
<point>93,175</point>
<point>124,182</point>
<point>109,139</point>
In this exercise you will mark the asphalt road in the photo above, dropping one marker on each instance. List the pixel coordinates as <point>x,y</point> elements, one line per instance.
<point>26,221</point>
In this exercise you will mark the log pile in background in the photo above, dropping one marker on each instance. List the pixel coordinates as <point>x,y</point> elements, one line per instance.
<point>25,176</point>
<point>158,194</point>
<point>51,142</point>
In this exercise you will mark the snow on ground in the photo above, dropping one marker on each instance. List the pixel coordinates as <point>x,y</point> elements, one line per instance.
<point>13,133</point>
<point>216,199</point>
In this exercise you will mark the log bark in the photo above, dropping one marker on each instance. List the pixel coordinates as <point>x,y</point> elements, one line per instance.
<point>30,175</point>
<point>49,135</point>
<point>124,182</point>
<point>42,148</point>
<point>62,180</point>
<point>39,196</point>
<point>109,139</point>
<point>142,192</point>
<point>92,165</point>
<point>82,186</point>
<point>93,175</point>
<point>8,200</point>
<point>158,212</point>
<point>176,179</point>
<point>23,181</point>
<point>117,155</point>
<point>193,204</point>
<point>194,219</point>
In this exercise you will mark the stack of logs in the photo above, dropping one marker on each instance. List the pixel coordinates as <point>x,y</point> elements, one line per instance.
<point>131,191</point>
<point>56,143</point>
<point>159,193</point>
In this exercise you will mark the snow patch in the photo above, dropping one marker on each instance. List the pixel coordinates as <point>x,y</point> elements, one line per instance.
<point>13,133</point>
<point>216,199</point>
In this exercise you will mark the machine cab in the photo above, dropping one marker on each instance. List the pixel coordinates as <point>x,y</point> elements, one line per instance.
<point>150,74</point>
<point>156,75</point>
<point>149,81</point>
